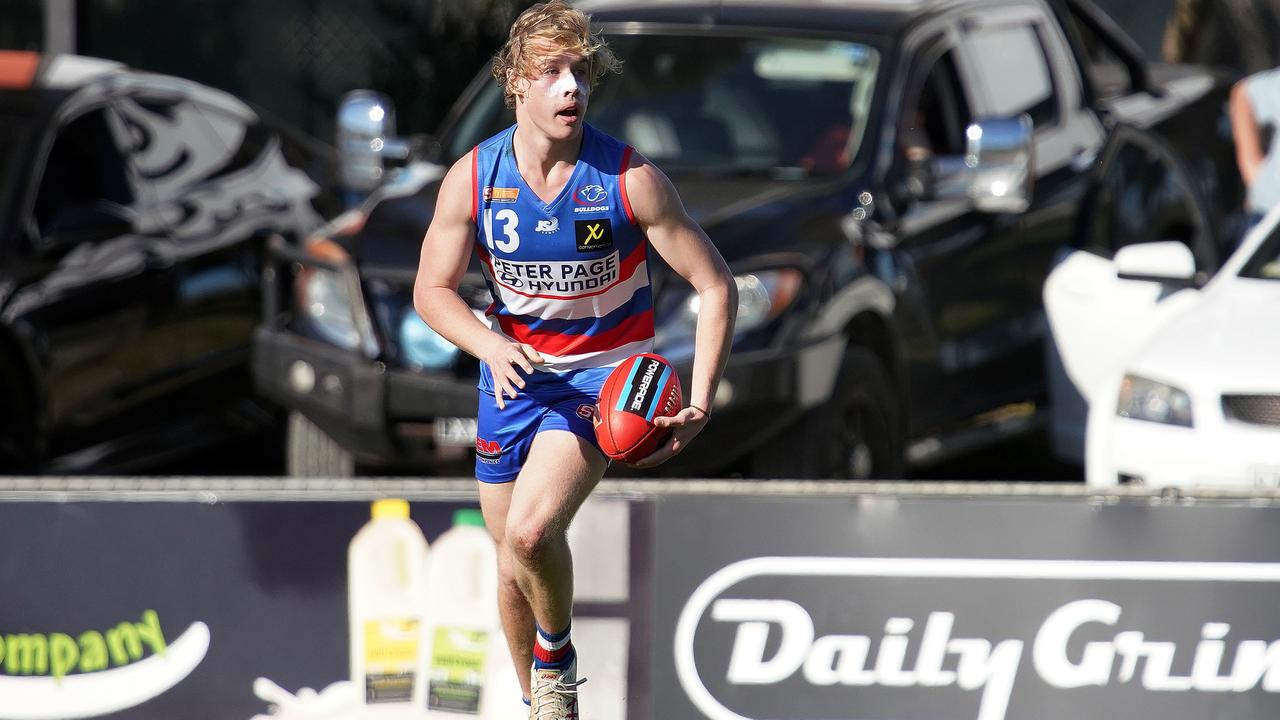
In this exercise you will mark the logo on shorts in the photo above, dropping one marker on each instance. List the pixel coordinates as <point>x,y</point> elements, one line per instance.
<point>587,412</point>
<point>488,451</point>
<point>593,235</point>
<point>548,226</point>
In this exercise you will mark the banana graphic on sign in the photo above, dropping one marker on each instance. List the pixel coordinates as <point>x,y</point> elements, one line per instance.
<point>106,691</point>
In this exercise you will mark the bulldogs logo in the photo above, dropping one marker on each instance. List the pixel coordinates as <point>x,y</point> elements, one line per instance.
<point>589,195</point>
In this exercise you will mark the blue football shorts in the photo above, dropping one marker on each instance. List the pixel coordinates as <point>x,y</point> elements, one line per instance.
<point>548,401</point>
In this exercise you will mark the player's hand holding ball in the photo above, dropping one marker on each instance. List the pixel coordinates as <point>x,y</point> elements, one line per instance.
<point>682,428</point>
<point>639,420</point>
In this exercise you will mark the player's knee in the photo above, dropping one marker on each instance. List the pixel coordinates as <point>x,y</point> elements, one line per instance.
<point>507,576</point>
<point>530,544</point>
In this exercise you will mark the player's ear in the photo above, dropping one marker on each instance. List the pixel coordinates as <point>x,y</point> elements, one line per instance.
<point>518,84</point>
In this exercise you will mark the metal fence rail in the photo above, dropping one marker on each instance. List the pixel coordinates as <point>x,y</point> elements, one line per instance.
<point>272,489</point>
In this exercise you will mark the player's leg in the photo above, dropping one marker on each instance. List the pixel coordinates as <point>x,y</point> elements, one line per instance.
<point>561,470</point>
<point>503,438</point>
<point>513,605</point>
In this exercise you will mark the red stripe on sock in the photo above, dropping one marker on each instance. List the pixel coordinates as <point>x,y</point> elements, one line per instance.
<point>552,656</point>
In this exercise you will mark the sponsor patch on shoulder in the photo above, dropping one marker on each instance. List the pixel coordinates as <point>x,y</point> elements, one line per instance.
<point>499,194</point>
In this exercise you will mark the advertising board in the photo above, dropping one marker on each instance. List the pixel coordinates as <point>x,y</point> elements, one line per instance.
<point>168,610</point>
<point>959,610</point>
<point>240,610</point>
<point>690,605</point>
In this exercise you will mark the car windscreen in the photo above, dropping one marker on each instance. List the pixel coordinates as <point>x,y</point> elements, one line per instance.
<point>786,107</point>
<point>1265,263</point>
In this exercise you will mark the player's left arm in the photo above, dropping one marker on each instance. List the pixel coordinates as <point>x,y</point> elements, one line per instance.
<point>685,247</point>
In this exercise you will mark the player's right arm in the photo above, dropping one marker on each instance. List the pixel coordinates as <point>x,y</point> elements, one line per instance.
<point>445,253</point>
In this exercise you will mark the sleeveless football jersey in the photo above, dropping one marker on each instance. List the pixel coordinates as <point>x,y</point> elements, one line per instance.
<point>569,277</point>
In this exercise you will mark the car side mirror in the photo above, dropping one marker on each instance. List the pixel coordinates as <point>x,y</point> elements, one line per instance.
<point>1167,262</point>
<point>366,140</point>
<point>997,170</point>
<point>82,223</point>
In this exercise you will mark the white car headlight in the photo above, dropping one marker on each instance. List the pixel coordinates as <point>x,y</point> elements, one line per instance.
<point>762,296</point>
<point>1145,399</point>
<point>330,301</point>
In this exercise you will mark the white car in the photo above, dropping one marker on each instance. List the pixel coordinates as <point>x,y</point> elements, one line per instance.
<point>1181,378</point>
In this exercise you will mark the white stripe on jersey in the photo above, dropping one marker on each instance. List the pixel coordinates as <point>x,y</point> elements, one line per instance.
<point>608,358</point>
<point>559,308</point>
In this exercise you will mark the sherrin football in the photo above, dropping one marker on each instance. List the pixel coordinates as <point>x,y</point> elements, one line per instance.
<point>640,389</point>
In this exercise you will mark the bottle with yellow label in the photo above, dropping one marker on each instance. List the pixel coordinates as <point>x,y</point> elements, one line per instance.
<point>386,592</point>
<point>468,670</point>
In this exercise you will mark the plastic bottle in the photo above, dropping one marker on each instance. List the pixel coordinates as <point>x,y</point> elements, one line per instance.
<point>386,590</point>
<point>469,668</point>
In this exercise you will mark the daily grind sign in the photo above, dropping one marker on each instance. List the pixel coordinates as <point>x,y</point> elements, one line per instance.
<point>913,633</point>
<point>1080,644</point>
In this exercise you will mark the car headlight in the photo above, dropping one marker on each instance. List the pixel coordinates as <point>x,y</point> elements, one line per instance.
<point>330,303</point>
<point>1145,399</point>
<point>762,297</point>
<point>423,346</point>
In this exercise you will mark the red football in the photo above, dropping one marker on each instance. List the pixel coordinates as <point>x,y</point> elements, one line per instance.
<point>640,389</point>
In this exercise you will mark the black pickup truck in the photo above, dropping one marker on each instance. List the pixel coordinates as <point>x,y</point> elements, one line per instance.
<point>890,183</point>
<point>134,213</point>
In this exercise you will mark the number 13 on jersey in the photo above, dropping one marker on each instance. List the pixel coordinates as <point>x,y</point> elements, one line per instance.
<point>508,219</point>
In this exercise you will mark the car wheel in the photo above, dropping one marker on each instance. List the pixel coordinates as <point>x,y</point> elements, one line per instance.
<point>310,452</point>
<point>854,435</point>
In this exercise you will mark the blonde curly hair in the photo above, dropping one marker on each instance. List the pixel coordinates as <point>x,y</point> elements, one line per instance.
<point>550,24</point>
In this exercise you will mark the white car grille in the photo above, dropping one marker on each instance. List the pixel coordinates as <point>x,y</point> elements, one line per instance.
<point>1252,409</point>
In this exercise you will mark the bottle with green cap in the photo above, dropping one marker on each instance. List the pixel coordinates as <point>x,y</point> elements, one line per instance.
<point>469,670</point>
<point>386,591</point>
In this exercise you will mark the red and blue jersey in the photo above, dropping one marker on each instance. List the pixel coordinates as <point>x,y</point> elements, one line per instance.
<point>569,277</point>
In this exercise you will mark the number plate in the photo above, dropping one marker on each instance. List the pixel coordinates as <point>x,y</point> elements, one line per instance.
<point>455,432</point>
